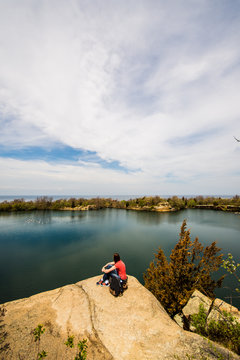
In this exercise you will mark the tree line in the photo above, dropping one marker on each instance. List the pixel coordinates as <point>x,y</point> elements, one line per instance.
<point>147,203</point>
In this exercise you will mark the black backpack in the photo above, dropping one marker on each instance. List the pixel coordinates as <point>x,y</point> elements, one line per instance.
<point>115,288</point>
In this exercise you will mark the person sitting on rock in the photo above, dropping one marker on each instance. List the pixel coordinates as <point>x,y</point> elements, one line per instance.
<point>115,268</point>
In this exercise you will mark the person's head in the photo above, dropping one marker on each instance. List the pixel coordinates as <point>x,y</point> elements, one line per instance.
<point>116,257</point>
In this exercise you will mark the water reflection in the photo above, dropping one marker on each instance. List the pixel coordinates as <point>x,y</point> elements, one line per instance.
<point>40,218</point>
<point>149,218</point>
<point>77,216</point>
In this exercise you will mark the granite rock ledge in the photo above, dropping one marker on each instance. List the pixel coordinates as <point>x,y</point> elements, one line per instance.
<point>132,327</point>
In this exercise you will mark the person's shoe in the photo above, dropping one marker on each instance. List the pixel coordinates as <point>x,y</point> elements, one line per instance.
<point>99,282</point>
<point>104,284</point>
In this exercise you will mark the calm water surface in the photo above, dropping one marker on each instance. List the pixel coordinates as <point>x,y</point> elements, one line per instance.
<point>44,250</point>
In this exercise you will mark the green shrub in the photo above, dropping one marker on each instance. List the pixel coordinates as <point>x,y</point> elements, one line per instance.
<point>82,354</point>
<point>69,341</point>
<point>38,331</point>
<point>82,347</point>
<point>225,331</point>
<point>199,321</point>
<point>232,268</point>
<point>42,355</point>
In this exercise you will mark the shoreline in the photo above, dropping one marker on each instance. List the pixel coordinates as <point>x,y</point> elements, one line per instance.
<point>232,209</point>
<point>149,204</point>
<point>161,208</point>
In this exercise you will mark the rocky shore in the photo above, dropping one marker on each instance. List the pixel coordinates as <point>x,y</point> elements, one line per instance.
<point>165,207</point>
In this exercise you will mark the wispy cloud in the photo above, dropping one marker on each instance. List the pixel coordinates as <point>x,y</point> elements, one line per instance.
<point>143,88</point>
<point>195,138</point>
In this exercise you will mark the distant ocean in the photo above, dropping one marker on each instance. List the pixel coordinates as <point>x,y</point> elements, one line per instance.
<point>114,197</point>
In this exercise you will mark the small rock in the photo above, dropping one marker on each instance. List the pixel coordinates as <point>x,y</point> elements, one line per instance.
<point>179,320</point>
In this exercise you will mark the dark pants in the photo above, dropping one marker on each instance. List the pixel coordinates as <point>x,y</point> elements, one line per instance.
<point>111,273</point>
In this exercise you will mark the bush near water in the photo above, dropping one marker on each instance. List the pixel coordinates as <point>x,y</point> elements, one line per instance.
<point>190,267</point>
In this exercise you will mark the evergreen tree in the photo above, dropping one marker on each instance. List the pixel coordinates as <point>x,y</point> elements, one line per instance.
<point>190,267</point>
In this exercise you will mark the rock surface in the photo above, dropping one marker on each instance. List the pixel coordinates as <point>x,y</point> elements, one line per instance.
<point>192,306</point>
<point>214,308</point>
<point>131,327</point>
<point>219,306</point>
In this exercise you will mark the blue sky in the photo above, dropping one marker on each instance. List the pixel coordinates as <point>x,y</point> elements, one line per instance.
<point>59,154</point>
<point>130,97</point>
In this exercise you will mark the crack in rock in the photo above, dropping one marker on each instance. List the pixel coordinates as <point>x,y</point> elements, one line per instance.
<point>92,312</point>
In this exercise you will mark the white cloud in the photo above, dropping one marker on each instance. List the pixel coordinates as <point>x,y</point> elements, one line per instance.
<point>123,80</point>
<point>39,177</point>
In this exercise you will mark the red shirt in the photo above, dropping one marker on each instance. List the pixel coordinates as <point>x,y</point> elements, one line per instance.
<point>121,269</point>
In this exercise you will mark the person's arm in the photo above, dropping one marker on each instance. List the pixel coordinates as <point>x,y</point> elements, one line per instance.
<point>110,263</point>
<point>108,270</point>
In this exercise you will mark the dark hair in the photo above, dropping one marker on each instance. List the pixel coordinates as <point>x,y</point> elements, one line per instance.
<point>116,257</point>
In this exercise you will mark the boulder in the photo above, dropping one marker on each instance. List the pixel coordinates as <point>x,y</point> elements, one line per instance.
<point>132,327</point>
<point>192,306</point>
<point>214,308</point>
<point>223,306</point>
<point>218,309</point>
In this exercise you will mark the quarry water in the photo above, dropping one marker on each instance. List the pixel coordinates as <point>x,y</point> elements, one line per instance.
<point>42,250</point>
